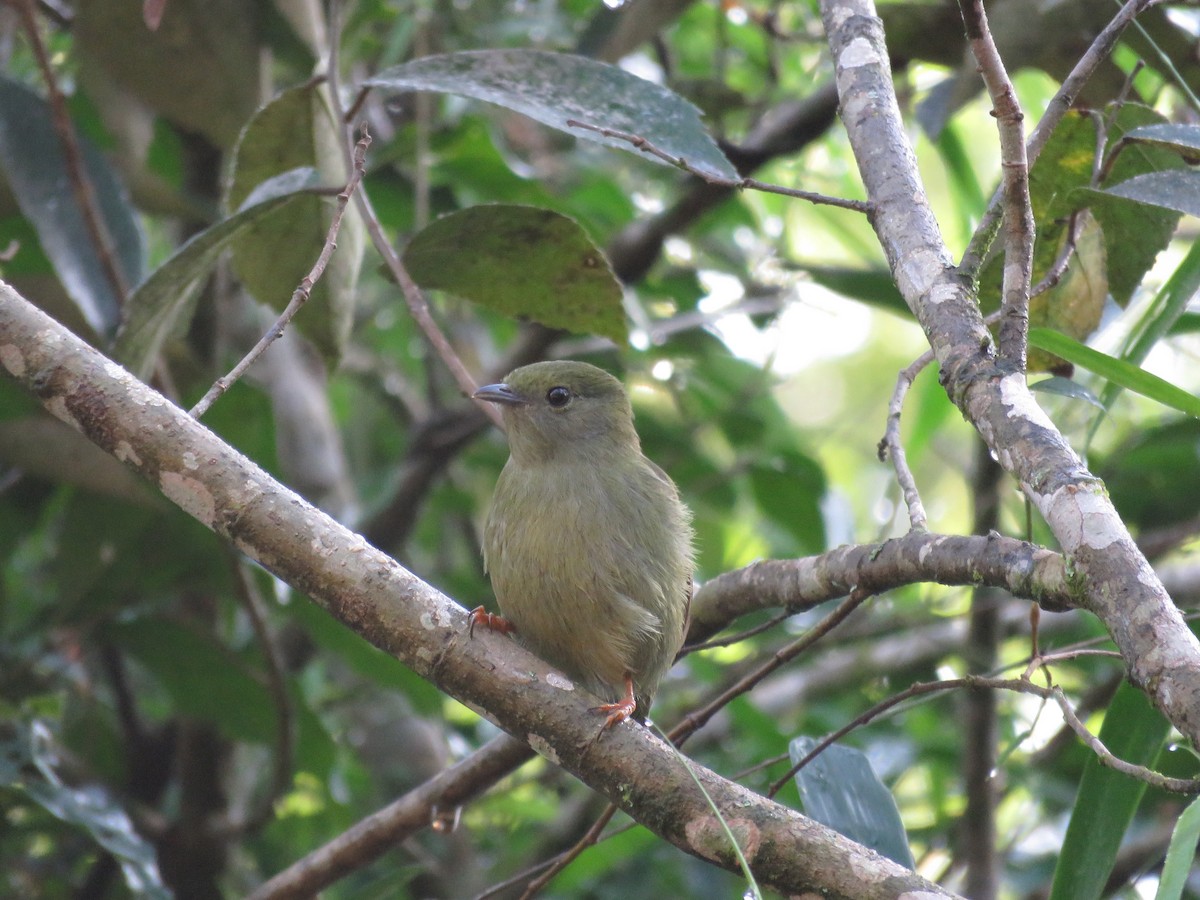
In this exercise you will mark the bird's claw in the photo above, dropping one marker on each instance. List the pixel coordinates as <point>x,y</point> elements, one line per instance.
<point>617,712</point>
<point>490,621</point>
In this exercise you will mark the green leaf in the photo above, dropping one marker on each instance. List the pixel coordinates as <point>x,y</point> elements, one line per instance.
<point>558,89</point>
<point>1177,190</point>
<point>89,808</point>
<point>1154,476</point>
<point>162,303</point>
<point>1129,376</point>
<point>789,489</point>
<point>872,286</point>
<point>1181,854</point>
<point>840,789</point>
<point>1181,138</point>
<point>297,130</point>
<point>34,167</point>
<point>1065,387</point>
<point>1134,731</point>
<point>524,262</point>
<point>207,681</point>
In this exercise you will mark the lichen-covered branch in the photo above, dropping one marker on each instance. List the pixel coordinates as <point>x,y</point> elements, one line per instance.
<point>1108,573</point>
<point>1022,569</point>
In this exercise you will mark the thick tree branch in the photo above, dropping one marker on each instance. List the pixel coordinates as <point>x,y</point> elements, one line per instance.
<point>424,629</point>
<point>1111,576</point>
<point>1022,569</point>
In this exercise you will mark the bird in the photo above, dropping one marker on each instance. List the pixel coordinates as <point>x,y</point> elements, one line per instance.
<point>587,543</point>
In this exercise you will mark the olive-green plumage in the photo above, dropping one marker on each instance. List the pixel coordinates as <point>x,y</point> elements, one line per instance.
<point>587,543</point>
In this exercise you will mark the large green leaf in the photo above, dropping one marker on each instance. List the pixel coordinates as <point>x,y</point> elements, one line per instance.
<point>521,261</point>
<point>558,89</point>
<point>1134,731</point>
<point>840,789</point>
<point>35,168</point>
<point>297,130</point>
<point>1177,190</point>
<point>789,489</point>
<point>1183,139</point>
<point>163,302</point>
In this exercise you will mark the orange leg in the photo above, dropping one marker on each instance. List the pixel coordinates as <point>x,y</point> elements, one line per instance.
<point>490,621</point>
<point>622,709</point>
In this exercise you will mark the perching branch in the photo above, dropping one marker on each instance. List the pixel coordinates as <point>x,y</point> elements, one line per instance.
<point>1020,568</point>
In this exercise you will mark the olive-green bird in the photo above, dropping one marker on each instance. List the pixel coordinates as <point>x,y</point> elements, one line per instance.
<point>587,543</point>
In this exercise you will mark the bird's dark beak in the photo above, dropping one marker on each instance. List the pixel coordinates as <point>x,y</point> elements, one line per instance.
<point>499,393</point>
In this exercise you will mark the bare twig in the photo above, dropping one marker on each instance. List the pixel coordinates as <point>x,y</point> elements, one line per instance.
<point>571,854</point>
<point>303,290</point>
<point>81,185</point>
<point>890,446</point>
<point>285,724</point>
<point>1018,685</point>
<point>1063,100</point>
<point>1018,210</point>
<point>679,162</point>
<point>694,721</point>
<point>1059,268</point>
<point>414,297</point>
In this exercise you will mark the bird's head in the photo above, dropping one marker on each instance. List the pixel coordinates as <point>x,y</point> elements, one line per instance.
<point>563,407</point>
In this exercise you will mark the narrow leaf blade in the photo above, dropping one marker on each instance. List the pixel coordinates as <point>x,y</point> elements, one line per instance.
<point>1129,376</point>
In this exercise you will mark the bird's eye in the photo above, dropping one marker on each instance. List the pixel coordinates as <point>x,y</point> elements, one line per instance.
<point>558,397</point>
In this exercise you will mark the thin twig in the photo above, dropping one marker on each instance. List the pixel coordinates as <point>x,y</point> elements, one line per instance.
<point>303,290</point>
<point>285,727</point>
<point>1100,50</point>
<point>1018,685</point>
<point>81,185</point>
<point>736,638</point>
<point>1018,209</point>
<point>1059,268</point>
<point>649,148</point>
<point>890,446</point>
<point>570,855</point>
<point>696,720</point>
<point>414,297</point>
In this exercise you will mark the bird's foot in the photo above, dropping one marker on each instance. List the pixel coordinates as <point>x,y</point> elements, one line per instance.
<point>490,621</point>
<point>621,710</point>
